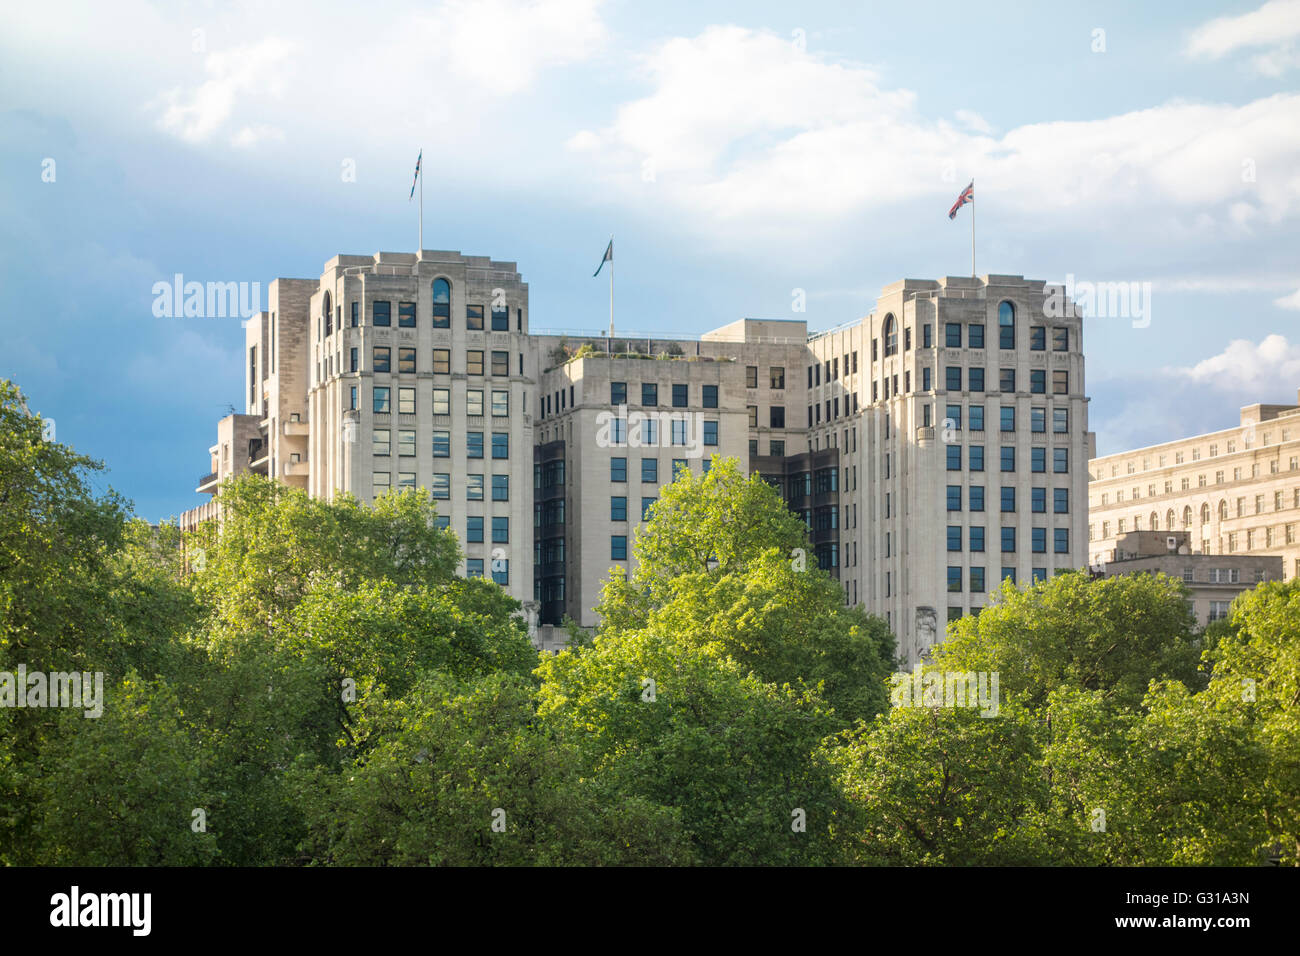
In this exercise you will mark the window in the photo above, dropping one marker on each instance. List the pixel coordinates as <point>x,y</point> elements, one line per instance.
<point>1038,419</point>
<point>1061,540</point>
<point>1008,418</point>
<point>474,317</point>
<point>442,361</point>
<point>352,398</point>
<point>500,444</point>
<point>474,402</point>
<point>976,383</point>
<point>441,304</point>
<point>1038,540</point>
<point>1060,340</point>
<point>954,497</point>
<point>353,320</point>
<point>954,457</point>
<point>381,313</point>
<point>1038,338</point>
<point>650,469</point>
<point>1007,380</point>
<point>501,530</point>
<point>500,404</point>
<point>442,444</point>
<point>406,315</point>
<point>710,396</point>
<point>473,567</point>
<point>1008,540</point>
<point>474,444</point>
<point>441,488</point>
<point>1038,500</point>
<point>976,495</point>
<point>952,378</point>
<point>777,416</point>
<point>501,571</point>
<point>679,396</point>
<point>891,336</point>
<point>618,469</point>
<point>406,360</point>
<point>381,399</point>
<point>442,401</point>
<point>977,539</point>
<point>500,487</point>
<point>406,401</point>
<point>1006,326</point>
<point>500,317</point>
<point>381,360</point>
<point>406,442</point>
<point>1038,381</point>
<point>954,537</point>
<point>649,393</point>
<point>1008,498</point>
<point>1008,458</point>
<point>474,528</point>
<point>954,578</point>
<point>352,360</point>
<point>645,508</point>
<point>618,508</point>
<point>501,364</point>
<point>1060,460</point>
<point>618,547</point>
<point>1061,383</point>
<point>776,375</point>
<point>1038,459</point>
<point>1060,420</point>
<point>753,415</point>
<point>710,433</point>
<point>976,457</point>
<point>380,439</point>
<point>751,376</point>
<point>976,416</point>
<point>952,335</point>
<point>381,481</point>
<point>977,580</point>
<point>618,393</point>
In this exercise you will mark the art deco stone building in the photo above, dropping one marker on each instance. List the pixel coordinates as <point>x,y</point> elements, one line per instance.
<point>1233,492</point>
<point>934,447</point>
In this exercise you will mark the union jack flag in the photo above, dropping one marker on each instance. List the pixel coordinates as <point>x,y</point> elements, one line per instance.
<point>418,160</point>
<point>967,195</point>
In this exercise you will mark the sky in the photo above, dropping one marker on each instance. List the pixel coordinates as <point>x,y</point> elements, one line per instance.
<point>746,156</point>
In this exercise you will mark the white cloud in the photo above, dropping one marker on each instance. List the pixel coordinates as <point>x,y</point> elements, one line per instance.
<point>1273,24</point>
<point>246,72</point>
<point>1291,301</point>
<point>1245,367</point>
<point>973,121</point>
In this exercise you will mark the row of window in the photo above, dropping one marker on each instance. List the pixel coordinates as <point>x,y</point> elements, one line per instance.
<point>775,447</point>
<point>381,360</point>
<point>649,468</point>
<point>648,432</point>
<point>1006,380</point>
<point>1007,418</point>
<point>1205,513</point>
<point>1037,458</point>
<point>775,377</point>
<point>440,487</point>
<point>1218,480</point>
<point>1037,499</point>
<point>500,570</point>
<point>382,401</point>
<point>650,395</point>
<point>618,508</point>
<point>1038,539</point>
<point>381,313</point>
<point>952,336</point>
<point>381,443</point>
<point>977,581</point>
<point>1180,457</point>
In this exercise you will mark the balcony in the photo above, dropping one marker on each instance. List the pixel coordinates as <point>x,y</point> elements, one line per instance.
<point>296,468</point>
<point>292,428</point>
<point>207,484</point>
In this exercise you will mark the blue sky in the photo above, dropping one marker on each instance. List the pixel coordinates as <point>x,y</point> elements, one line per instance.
<point>738,152</point>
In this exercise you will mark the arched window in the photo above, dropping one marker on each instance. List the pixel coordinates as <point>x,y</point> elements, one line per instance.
<point>1223,510</point>
<point>1006,326</point>
<point>891,336</point>
<point>441,304</point>
<point>1187,516</point>
<point>1205,514</point>
<point>1169,520</point>
<point>327,313</point>
<point>1155,521</point>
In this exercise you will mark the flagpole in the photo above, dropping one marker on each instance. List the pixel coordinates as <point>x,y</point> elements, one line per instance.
<point>420,251</point>
<point>972,229</point>
<point>611,297</point>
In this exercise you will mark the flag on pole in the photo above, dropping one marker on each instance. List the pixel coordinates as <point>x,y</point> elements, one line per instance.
<point>608,257</point>
<point>967,195</point>
<point>418,160</point>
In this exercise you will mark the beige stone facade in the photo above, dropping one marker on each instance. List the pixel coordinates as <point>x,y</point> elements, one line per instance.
<point>1233,492</point>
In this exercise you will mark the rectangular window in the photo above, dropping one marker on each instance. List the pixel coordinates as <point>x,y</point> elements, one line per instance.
<point>442,444</point>
<point>975,335</point>
<point>649,393</point>
<point>381,481</point>
<point>500,530</point>
<point>977,580</point>
<point>380,439</point>
<point>977,539</point>
<point>1008,540</point>
<point>710,396</point>
<point>1038,338</point>
<point>1008,458</point>
<point>500,317</point>
<point>952,335</point>
<point>406,315</point>
<point>1061,382</point>
<point>1038,540</point>
<point>353,320</point>
<point>474,362</point>
<point>1061,540</point>
<point>1060,420</point>
<point>954,537</point>
<point>618,393</point>
<point>406,401</point>
<point>441,487</point>
<point>1060,340</point>
<point>442,361</point>
<point>381,313</point>
<point>352,397</point>
<point>1008,498</point>
<point>618,508</point>
<point>474,444</point>
<point>753,415</point>
<point>381,360</point>
<point>751,376</point>
<point>976,383</point>
<point>954,578</point>
<point>1038,381</point>
<point>1060,460</point>
<point>501,364</point>
<point>500,403</point>
<point>406,360</point>
<point>442,401</point>
<point>500,487</point>
<point>1008,422</point>
<point>976,416</point>
<point>976,497</point>
<point>954,457</point>
<point>1061,500</point>
<point>500,444</point>
<point>710,434</point>
<point>954,497</point>
<point>501,571</point>
<point>645,508</point>
<point>406,442</point>
<point>777,416</point>
<point>474,317</point>
<point>474,488</point>
<point>618,547</point>
<point>1038,459</point>
<point>952,378</point>
<point>381,396</point>
<point>976,457</point>
<point>474,566</point>
<point>650,469</point>
<point>474,402</point>
<point>679,396</point>
<point>1038,419</point>
<point>474,528</point>
<point>1038,500</point>
<point>618,469</point>
<point>352,360</point>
